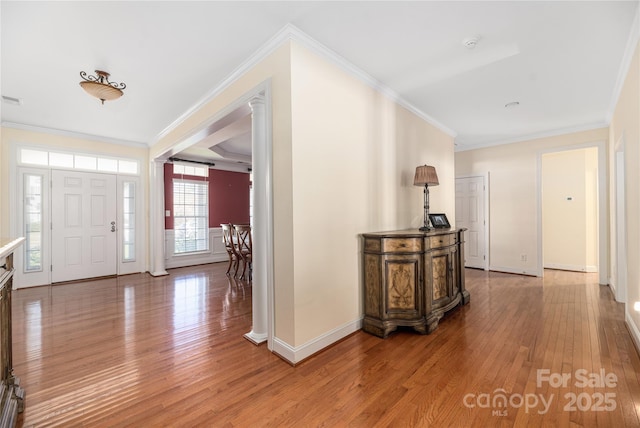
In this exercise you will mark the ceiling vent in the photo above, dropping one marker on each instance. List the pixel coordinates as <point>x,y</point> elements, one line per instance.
<point>12,100</point>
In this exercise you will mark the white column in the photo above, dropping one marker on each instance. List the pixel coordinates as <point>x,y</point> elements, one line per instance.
<point>156,218</point>
<point>261,217</point>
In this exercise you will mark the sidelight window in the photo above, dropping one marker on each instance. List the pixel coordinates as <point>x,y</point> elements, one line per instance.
<point>33,222</point>
<point>129,221</point>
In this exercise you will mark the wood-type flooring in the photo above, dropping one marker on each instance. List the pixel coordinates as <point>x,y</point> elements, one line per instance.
<point>138,351</point>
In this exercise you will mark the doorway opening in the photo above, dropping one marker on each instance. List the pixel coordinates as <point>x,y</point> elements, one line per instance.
<point>572,208</point>
<point>259,103</point>
<point>472,213</point>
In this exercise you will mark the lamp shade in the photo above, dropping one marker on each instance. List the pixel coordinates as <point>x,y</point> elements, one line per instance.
<point>425,174</point>
<point>101,91</point>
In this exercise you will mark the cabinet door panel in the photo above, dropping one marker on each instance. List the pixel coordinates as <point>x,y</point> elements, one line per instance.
<point>402,277</point>
<point>373,285</point>
<point>441,276</point>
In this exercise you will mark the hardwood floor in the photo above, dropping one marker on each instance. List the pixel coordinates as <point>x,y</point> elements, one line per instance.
<point>137,351</point>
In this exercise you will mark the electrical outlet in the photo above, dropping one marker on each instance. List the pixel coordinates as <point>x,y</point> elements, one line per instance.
<point>523,257</point>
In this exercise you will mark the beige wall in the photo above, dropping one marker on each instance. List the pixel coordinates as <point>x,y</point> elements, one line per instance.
<point>513,175</point>
<point>11,136</point>
<point>354,153</point>
<point>625,126</point>
<point>569,189</point>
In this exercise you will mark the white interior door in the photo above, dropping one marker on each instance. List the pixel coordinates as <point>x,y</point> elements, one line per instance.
<point>83,219</point>
<point>470,196</point>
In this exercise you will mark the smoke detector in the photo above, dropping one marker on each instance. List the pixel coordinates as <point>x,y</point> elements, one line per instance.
<point>471,42</point>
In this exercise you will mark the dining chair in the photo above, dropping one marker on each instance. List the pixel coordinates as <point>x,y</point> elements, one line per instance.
<point>245,247</point>
<point>228,237</point>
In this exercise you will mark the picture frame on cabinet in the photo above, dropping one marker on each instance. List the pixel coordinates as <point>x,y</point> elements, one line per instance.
<point>439,221</point>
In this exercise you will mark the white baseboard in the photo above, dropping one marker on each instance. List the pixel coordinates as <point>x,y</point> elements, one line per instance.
<point>296,354</point>
<point>633,329</point>
<point>573,268</point>
<point>513,270</point>
<point>216,253</point>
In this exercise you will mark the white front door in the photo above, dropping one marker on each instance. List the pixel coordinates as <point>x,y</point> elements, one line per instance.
<point>83,214</point>
<point>470,214</point>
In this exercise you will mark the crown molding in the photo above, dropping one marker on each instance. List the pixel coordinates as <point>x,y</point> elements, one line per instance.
<point>625,64</point>
<point>263,52</point>
<point>534,136</point>
<point>291,33</point>
<point>72,134</point>
<point>313,45</point>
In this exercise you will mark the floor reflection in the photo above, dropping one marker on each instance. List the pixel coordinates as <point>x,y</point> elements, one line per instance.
<point>189,301</point>
<point>81,348</point>
<point>33,329</point>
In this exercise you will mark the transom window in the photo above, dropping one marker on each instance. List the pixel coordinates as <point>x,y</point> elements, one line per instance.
<point>78,161</point>
<point>198,171</point>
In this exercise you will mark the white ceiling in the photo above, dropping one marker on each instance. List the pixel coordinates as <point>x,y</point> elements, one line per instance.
<point>560,60</point>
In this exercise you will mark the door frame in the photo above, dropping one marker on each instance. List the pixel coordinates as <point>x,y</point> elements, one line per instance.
<point>603,230</point>
<point>620,222</point>
<point>15,215</point>
<point>487,222</point>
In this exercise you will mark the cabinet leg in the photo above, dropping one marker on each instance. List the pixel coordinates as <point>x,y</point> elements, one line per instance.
<point>432,324</point>
<point>466,297</point>
<point>377,328</point>
<point>422,329</point>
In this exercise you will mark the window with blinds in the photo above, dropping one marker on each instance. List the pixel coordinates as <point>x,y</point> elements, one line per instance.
<point>191,216</point>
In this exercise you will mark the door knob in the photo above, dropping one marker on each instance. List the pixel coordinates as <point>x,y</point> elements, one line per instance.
<point>113,226</point>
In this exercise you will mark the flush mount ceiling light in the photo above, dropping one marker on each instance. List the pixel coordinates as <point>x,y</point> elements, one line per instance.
<point>99,86</point>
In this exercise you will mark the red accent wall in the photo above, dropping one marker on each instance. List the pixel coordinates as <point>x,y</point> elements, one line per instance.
<point>228,196</point>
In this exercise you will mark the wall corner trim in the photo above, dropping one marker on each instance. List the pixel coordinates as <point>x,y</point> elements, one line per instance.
<point>295,354</point>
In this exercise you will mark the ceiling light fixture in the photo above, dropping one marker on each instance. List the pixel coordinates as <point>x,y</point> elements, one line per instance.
<point>99,86</point>
<point>512,104</point>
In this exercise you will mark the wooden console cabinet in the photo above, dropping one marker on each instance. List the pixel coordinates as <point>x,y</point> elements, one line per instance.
<point>11,394</point>
<point>412,278</point>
